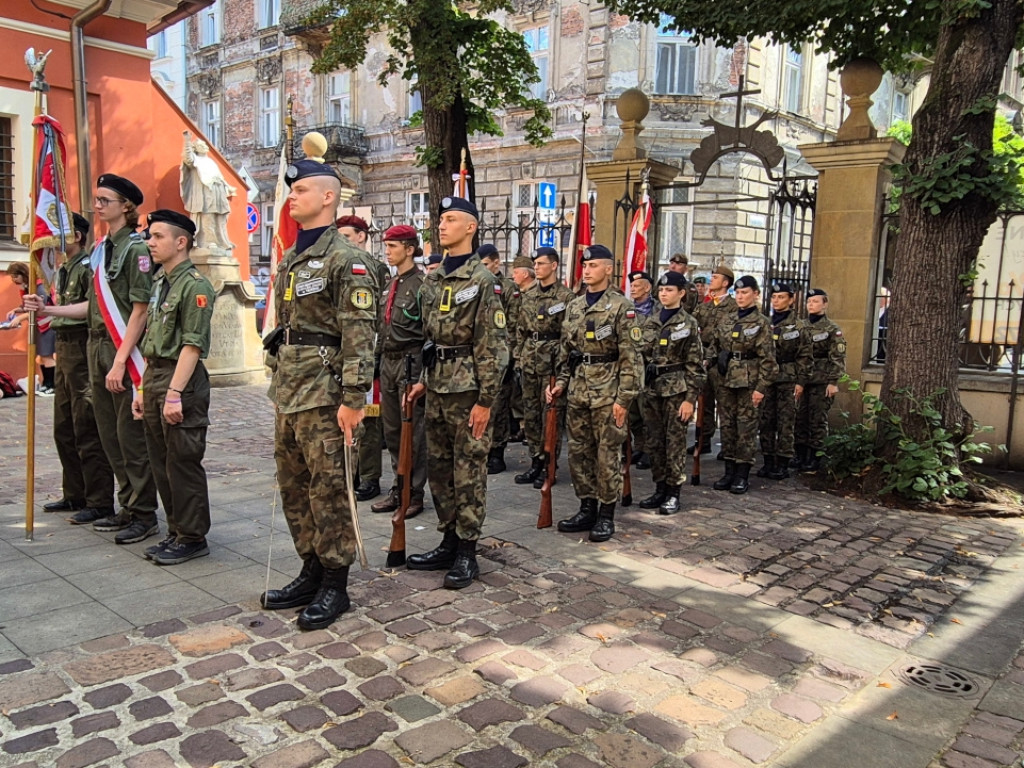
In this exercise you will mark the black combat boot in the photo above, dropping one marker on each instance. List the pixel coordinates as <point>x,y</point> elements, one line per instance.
<point>740,480</point>
<point>725,481</point>
<point>768,467</point>
<point>436,559</point>
<point>604,528</point>
<point>641,460</point>
<point>538,483</point>
<point>496,461</point>
<point>583,520</point>
<point>655,499</point>
<point>671,504</point>
<point>330,602</point>
<point>465,568</point>
<point>299,592</point>
<point>813,461</point>
<point>799,457</point>
<point>535,471</point>
<point>781,469</point>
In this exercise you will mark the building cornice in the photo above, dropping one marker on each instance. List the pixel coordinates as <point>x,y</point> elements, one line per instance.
<point>59,34</point>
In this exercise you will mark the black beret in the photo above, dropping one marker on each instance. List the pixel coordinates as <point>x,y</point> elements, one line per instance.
<point>594,252</point>
<point>778,287</point>
<point>487,249</point>
<point>545,250</point>
<point>304,169</point>
<point>672,278</point>
<point>639,274</point>
<point>80,223</point>
<point>435,258</point>
<point>174,218</point>
<point>458,204</point>
<point>817,292</point>
<point>747,282</point>
<point>122,186</point>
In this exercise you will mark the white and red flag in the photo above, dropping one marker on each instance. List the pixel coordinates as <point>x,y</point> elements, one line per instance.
<point>636,242</point>
<point>51,225</point>
<point>286,231</point>
<point>582,234</point>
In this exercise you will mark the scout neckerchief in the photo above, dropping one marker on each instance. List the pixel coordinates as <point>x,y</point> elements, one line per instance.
<point>116,325</point>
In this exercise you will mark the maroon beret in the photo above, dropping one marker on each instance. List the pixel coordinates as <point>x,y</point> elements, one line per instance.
<point>353,221</point>
<point>401,232</point>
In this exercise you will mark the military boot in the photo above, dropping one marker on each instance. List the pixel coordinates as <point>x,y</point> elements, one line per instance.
<point>436,559</point>
<point>496,461</point>
<point>535,471</point>
<point>671,504</point>
<point>781,469</point>
<point>604,528</point>
<point>583,520</point>
<point>813,461</point>
<point>768,466</point>
<point>655,499</point>
<point>725,481</point>
<point>299,592</point>
<point>465,567</point>
<point>330,602</point>
<point>740,480</point>
<point>799,457</point>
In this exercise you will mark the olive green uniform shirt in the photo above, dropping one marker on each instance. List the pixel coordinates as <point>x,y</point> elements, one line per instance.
<point>180,313</point>
<point>828,352</point>
<point>405,331</point>
<point>129,271</point>
<point>73,280</point>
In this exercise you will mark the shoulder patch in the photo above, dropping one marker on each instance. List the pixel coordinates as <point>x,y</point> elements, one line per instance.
<point>201,300</point>
<point>136,236</point>
<point>838,332</point>
<point>358,268</point>
<point>144,263</point>
<point>635,334</point>
<point>362,298</point>
<point>631,314</point>
<point>497,288</point>
<point>499,319</point>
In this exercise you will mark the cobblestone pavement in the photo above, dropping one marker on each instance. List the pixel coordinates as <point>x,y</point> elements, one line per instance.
<point>781,628</point>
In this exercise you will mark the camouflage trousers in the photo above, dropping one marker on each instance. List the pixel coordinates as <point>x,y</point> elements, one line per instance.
<point>535,412</point>
<point>738,420</point>
<point>501,412</point>
<point>711,386</point>
<point>457,463</point>
<point>637,427</point>
<point>309,449</point>
<point>371,444</point>
<point>666,438</point>
<point>778,417</point>
<point>812,416</point>
<point>123,438</point>
<point>595,453</point>
<point>86,472</point>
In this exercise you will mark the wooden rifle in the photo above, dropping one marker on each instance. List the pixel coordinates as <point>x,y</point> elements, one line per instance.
<point>396,551</point>
<point>698,440</point>
<point>550,442</point>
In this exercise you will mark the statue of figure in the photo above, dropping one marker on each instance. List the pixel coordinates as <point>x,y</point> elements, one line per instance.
<point>205,194</point>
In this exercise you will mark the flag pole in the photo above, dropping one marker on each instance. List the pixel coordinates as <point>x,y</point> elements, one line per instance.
<point>40,86</point>
<point>289,131</point>
<point>576,224</point>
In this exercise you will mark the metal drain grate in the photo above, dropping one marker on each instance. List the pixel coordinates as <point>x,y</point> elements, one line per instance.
<point>939,679</point>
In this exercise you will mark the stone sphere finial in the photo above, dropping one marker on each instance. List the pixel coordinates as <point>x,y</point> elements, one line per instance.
<point>859,79</point>
<point>314,145</point>
<point>633,106</point>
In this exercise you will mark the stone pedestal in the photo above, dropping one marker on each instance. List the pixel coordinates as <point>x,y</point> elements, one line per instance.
<point>236,352</point>
<point>852,186</point>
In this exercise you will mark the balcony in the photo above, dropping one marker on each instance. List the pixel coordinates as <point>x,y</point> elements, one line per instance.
<point>342,141</point>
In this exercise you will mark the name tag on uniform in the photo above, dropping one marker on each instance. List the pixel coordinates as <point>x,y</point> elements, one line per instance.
<point>680,334</point>
<point>791,335</point>
<point>304,274</point>
<point>603,332</point>
<point>751,331</point>
<point>466,294</point>
<point>819,336</point>
<point>310,287</point>
<point>554,309</point>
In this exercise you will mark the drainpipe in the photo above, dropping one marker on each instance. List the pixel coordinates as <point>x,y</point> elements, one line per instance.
<point>93,10</point>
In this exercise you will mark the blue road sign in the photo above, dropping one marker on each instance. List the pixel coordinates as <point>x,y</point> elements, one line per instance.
<point>546,193</point>
<point>546,236</point>
<point>252,218</point>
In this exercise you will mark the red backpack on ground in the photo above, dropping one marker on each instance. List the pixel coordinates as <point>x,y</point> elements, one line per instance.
<point>8,385</point>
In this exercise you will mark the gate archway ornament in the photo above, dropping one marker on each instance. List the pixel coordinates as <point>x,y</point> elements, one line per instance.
<point>727,139</point>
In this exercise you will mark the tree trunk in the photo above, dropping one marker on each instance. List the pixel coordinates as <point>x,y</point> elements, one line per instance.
<point>934,251</point>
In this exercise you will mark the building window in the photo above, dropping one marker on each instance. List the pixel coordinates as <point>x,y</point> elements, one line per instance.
<point>160,44</point>
<point>6,180</point>
<point>209,25</point>
<point>674,227</point>
<point>419,210</point>
<point>900,106</point>
<point>792,80</point>
<point>211,122</point>
<point>270,12</point>
<point>270,118</point>
<point>676,62</point>
<point>267,226</point>
<point>539,46</point>
<point>415,98</point>
<point>339,98</point>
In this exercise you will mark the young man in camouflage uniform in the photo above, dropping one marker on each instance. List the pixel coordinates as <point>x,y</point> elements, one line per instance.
<point>174,401</point>
<point>323,367</point>
<point>743,353</point>
<point>828,363</point>
<point>641,291</point>
<point>510,300</point>
<point>539,330</point>
<point>599,365</point>
<point>674,360</point>
<point>708,315</point>
<point>400,335</point>
<point>463,364</point>
<point>778,409</point>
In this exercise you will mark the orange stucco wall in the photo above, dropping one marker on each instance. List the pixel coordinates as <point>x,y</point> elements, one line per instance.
<point>135,130</point>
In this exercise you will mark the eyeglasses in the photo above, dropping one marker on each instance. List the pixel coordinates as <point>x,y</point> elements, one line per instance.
<point>103,202</point>
<point>539,263</point>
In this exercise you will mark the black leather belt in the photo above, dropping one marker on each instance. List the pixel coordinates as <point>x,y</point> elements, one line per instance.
<point>670,368</point>
<point>820,357</point>
<point>545,336</point>
<point>744,355</point>
<point>298,338</point>
<point>398,354</point>
<point>98,333</point>
<point>590,359</point>
<point>452,353</point>
<point>72,333</point>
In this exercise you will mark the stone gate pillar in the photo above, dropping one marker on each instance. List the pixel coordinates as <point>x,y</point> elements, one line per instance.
<point>852,185</point>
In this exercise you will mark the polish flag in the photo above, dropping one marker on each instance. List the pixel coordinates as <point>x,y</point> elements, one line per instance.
<point>582,234</point>
<point>286,231</point>
<point>636,241</point>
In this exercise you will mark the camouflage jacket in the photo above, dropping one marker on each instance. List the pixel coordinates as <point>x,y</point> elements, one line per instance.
<point>463,309</point>
<point>828,352</point>
<point>751,351</point>
<point>129,271</point>
<point>608,328</point>
<point>674,356</point>
<point>328,289</point>
<point>180,312</point>
<point>690,298</point>
<point>792,350</point>
<point>710,314</point>
<point>405,331</point>
<point>539,327</point>
<point>511,301</point>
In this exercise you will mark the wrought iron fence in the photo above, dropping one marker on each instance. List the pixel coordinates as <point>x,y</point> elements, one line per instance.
<point>788,244</point>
